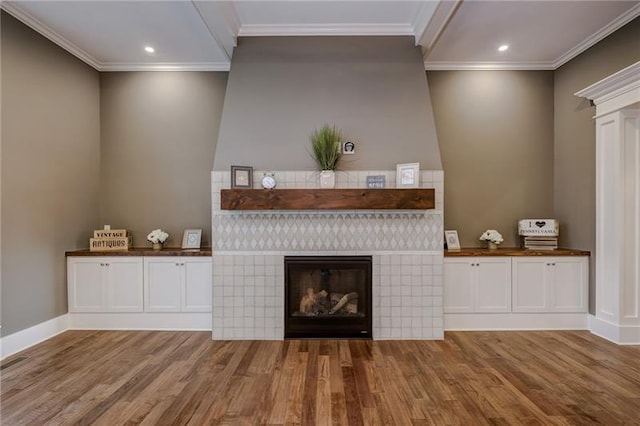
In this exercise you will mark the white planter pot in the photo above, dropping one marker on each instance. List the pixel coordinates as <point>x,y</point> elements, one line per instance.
<point>327,179</point>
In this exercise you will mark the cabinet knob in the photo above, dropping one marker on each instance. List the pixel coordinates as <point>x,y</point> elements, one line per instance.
<point>553,264</point>
<point>177,264</point>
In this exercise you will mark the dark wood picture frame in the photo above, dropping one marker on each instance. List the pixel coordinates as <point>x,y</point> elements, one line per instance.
<point>241,177</point>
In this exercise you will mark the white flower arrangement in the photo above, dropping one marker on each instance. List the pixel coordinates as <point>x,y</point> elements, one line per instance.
<point>157,236</point>
<point>492,235</point>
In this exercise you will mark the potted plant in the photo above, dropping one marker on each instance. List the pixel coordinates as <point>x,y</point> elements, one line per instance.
<point>157,237</point>
<point>325,145</point>
<point>492,237</point>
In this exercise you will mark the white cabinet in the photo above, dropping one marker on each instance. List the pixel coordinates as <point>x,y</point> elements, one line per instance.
<point>550,284</point>
<point>177,284</point>
<point>104,284</point>
<point>477,285</point>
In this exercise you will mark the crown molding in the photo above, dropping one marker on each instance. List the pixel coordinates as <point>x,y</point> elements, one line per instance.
<point>423,19</point>
<point>488,66</point>
<point>225,37</point>
<point>602,33</point>
<point>39,27</point>
<point>436,25</point>
<point>326,30</point>
<point>196,66</point>
<point>624,81</point>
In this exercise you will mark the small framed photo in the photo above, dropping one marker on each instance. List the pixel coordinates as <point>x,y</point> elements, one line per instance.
<point>407,175</point>
<point>451,237</point>
<point>348,148</point>
<point>241,177</point>
<point>191,238</point>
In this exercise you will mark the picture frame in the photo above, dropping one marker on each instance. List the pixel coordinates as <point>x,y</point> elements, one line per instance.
<point>241,177</point>
<point>407,175</point>
<point>348,148</point>
<point>453,242</point>
<point>191,239</point>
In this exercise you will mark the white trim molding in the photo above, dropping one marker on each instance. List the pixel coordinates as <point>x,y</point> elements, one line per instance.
<point>204,66</point>
<point>23,339</point>
<point>516,321</point>
<point>619,334</point>
<point>602,33</point>
<point>326,30</point>
<point>174,321</point>
<point>33,23</point>
<point>617,91</point>
<point>429,33</point>
<point>486,66</point>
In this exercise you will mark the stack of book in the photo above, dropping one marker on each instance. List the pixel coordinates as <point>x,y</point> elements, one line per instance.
<point>110,240</point>
<point>540,243</point>
<point>539,234</point>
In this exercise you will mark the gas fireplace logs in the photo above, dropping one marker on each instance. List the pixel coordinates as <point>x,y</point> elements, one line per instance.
<point>315,304</point>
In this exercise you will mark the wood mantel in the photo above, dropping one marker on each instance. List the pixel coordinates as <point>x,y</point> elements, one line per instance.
<point>327,199</point>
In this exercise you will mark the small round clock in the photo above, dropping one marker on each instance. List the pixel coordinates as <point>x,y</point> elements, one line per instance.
<point>268,181</point>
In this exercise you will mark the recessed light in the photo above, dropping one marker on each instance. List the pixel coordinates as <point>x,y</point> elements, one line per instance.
<point>503,47</point>
<point>149,49</point>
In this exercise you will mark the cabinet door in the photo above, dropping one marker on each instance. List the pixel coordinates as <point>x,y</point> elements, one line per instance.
<point>458,288</point>
<point>492,289</point>
<point>530,284</point>
<point>568,285</point>
<point>124,284</point>
<point>86,287</point>
<point>162,284</point>
<point>196,292</point>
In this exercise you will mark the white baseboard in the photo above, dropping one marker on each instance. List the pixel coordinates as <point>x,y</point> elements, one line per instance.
<point>185,321</point>
<point>516,321</point>
<point>23,339</point>
<point>619,334</point>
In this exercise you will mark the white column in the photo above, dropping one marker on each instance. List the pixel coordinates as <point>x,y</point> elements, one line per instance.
<point>618,226</point>
<point>617,264</point>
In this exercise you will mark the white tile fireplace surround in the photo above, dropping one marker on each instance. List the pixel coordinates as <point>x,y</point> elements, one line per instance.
<point>249,249</point>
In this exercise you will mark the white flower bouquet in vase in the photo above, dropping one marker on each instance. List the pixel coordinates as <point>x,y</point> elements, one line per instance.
<point>157,237</point>
<point>492,237</point>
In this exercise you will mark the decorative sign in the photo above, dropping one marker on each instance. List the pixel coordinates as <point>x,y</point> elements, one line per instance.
<point>108,239</point>
<point>109,233</point>
<point>377,181</point>
<point>109,244</point>
<point>538,227</point>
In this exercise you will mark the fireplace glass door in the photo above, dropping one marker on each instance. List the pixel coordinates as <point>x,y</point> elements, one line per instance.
<point>328,296</point>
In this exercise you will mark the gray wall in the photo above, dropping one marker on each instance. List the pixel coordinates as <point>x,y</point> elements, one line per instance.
<point>496,139</point>
<point>50,171</point>
<point>159,132</point>
<point>574,183</point>
<point>281,88</point>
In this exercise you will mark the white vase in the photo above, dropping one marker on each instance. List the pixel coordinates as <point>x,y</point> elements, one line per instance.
<point>492,246</point>
<point>157,246</point>
<point>327,179</point>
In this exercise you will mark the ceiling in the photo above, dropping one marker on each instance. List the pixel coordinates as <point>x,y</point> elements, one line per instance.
<point>201,35</point>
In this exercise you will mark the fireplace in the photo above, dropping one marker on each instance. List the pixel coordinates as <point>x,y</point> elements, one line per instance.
<point>327,296</point>
<point>404,247</point>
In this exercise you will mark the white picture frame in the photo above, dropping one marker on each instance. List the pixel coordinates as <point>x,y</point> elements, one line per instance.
<point>191,239</point>
<point>408,175</point>
<point>453,242</point>
<point>348,148</point>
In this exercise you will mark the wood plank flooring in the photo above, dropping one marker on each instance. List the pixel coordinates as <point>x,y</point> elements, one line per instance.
<point>167,378</point>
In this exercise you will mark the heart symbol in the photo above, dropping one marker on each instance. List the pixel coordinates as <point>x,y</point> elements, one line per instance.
<point>540,224</point>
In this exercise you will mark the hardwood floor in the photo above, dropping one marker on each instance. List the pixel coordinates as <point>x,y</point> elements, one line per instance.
<point>115,377</point>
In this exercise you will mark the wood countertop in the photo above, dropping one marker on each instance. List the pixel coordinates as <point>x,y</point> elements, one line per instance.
<point>143,251</point>
<point>512,251</point>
